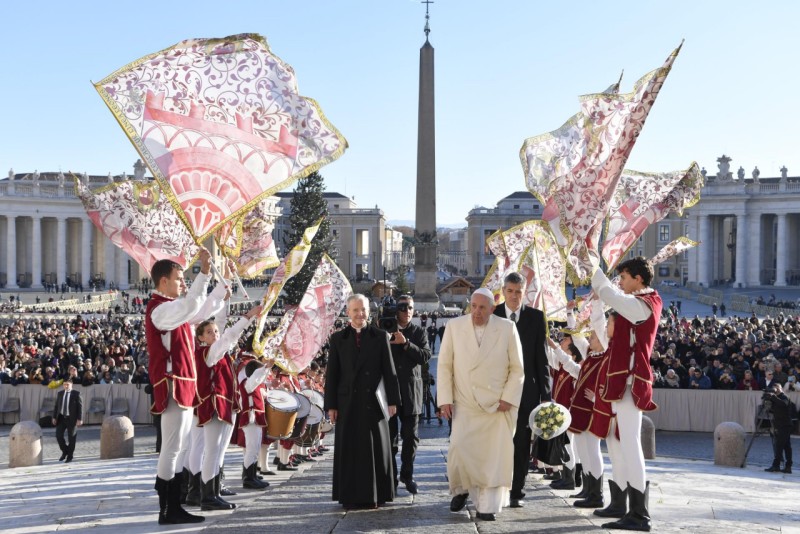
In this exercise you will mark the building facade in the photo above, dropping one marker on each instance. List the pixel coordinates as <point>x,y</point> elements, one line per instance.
<point>748,229</point>
<point>47,238</point>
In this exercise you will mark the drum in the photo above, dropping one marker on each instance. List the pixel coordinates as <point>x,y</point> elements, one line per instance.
<point>315,416</point>
<point>281,407</point>
<point>302,415</point>
<point>325,426</point>
<point>315,397</point>
<point>309,435</point>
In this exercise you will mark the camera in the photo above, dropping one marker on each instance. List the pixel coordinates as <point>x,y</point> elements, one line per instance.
<point>388,318</point>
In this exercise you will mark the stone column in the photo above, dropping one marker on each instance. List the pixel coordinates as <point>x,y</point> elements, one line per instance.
<point>121,278</point>
<point>704,252</point>
<point>754,252</point>
<point>781,250</point>
<point>36,253</point>
<point>86,251</point>
<point>11,252</point>
<point>61,251</point>
<point>108,261</point>
<point>741,250</point>
<point>692,253</point>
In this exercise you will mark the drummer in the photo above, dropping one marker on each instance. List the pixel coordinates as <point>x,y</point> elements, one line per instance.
<point>251,375</point>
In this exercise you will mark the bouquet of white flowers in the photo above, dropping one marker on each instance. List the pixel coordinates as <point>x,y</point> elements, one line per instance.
<point>549,420</point>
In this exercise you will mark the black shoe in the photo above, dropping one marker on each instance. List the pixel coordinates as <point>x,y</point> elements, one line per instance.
<point>276,461</point>
<point>555,475</point>
<point>773,469</point>
<point>484,517</point>
<point>788,468</point>
<point>63,455</point>
<point>307,458</point>
<point>566,482</point>
<point>411,485</point>
<point>268,472</point>
<point>619,502</point>
<point>594,496</point>
<point>225,491</point>
<point>69,459</point>
<point>286,467</point>
<point>458,502</point>
<point>638,517</point>
<point>516,503</point>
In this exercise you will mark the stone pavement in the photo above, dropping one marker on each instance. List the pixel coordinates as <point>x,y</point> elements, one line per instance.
<point>117,496</point>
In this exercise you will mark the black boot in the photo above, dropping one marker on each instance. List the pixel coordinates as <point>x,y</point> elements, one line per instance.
<point>193,496</point>
<point>249,479</point>
<point>637,518</point>
<point>209,499</point>
<point>224,490</point>
<point>584,488</point>
<point>619,502</point>
<point>567,480</point>
<point>162,487</point>
<point>787,468</point>
<point>594,497</point>
<point>175,514</point>
<point>775,468</point>
<point>184,476</point>
<point>218,493</point>
<point>578,474</point>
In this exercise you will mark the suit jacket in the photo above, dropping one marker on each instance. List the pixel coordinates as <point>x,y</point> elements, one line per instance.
<point>408,362</point>
<point>531,330</point>
<point>75,406</point>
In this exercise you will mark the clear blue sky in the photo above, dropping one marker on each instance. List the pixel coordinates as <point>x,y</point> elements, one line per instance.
<point>505,70</point>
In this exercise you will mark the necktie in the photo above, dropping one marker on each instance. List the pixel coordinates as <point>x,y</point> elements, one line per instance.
<point>65,405</point>
<point>514,316</point>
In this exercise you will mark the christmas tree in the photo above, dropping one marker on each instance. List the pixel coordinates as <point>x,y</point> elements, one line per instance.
<point>308,204</point>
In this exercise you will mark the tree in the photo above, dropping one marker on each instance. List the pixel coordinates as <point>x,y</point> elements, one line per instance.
<point>308,204</point>
<point>401,283</point>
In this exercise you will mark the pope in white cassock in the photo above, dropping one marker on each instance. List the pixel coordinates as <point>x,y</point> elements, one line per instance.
<point>480,377</point>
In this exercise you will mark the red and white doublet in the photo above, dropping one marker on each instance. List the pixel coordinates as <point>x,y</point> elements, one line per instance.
<point>601,411</point>
<point>629,363</point>
<point>174,368</point>
<point>581,408</point>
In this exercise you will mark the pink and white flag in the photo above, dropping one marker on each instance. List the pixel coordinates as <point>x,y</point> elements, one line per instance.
<point>642,199</point>
<point>140,220</point>
<point>574,170</point>
<point>248,241</point>
<point>221,125</point>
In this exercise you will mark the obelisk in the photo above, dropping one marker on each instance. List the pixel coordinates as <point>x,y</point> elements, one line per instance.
<point>426,242</point>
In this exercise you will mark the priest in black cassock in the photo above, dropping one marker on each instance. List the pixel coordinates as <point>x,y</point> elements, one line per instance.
<point>361,393</point>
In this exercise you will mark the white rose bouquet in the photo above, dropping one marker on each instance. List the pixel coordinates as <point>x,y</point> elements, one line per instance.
<point>549,420</point>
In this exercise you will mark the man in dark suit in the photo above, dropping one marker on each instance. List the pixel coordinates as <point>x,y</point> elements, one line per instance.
<point>410,352</point>
<point>361,394</point>
<point>67,416</point>
<point>531,328</point>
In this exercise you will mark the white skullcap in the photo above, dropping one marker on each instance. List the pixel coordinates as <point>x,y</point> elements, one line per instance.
<point>485,292</point>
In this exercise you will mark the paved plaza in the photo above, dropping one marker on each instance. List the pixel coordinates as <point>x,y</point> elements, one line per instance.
<point>687,495</point>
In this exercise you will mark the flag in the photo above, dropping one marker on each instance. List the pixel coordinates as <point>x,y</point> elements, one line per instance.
<point>139,219</point>
<point>682,244</point>
<point>574,170</point>
<point>248,241</point>
<point>529,249</point>
<point>642,199</point>
<point>289,267</point>
<point>314,318</point>
<point>221,125</point>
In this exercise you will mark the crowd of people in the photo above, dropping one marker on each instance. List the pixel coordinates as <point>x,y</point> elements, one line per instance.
<point>736,353</point>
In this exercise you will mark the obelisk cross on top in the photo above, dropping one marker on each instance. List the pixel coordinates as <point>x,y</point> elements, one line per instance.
<point>426,243</point>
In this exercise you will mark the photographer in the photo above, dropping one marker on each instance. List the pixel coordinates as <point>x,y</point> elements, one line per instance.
<point>410,352</point>
<point>779,405</point>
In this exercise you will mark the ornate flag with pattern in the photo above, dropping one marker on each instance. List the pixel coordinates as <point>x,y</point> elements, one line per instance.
<point>248,241</point>
<point>306,329</point>
<point>139,219</point>
<point>574,170</point>
<point>679,245</point>
<point>289,267</point>
<point>529,249</point>
<point>221,125</point>
<point>642,199</point>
